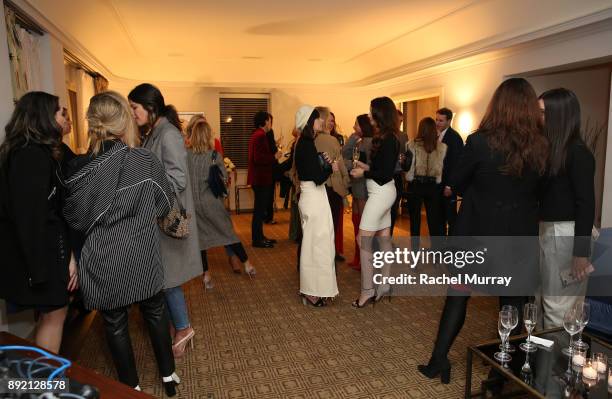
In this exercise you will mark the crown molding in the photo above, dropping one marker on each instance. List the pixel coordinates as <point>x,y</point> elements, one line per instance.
<point>486,50</point>
<point>576,28</point>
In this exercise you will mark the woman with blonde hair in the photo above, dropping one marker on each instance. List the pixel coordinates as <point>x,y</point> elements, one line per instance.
<point>115,194</point>
<point>214,222</point>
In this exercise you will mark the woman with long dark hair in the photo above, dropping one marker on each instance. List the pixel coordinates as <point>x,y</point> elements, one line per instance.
<point>425,176</point>
<point>498,177</point>
<point>376,217</point>
<point>37,269</point>
<point>317,251</point>
<point>115,194</point>
<point>359,143</point>
<point>160,127</point>
<point>567,207</point>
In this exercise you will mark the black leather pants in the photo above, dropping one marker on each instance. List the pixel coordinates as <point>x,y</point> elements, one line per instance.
<point>117,335</point>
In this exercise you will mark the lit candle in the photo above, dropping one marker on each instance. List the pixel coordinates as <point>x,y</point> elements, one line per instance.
<point>589,372</point>
<point>578,360</point>
<point>600,367</point>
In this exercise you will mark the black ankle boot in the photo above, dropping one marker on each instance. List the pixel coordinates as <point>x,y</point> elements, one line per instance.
<point>435,368</point>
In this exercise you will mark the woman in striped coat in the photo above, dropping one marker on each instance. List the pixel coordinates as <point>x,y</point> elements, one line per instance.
<point>115,194</point>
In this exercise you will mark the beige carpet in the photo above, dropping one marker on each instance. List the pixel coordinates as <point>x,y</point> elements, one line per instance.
<point>255,339</point>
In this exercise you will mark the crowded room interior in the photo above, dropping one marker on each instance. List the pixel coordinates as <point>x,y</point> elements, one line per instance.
<point>330,199</point>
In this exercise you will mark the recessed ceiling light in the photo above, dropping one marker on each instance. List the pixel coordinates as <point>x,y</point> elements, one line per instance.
<point>248,57</point>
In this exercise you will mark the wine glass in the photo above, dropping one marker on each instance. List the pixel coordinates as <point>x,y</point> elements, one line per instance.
<point>583,313</point>
<point>514,320</point>
<point>504,326</point>
<point>571,325</point>
<point>530,314</point>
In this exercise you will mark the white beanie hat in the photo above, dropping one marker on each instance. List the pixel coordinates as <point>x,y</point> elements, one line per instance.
<point>302,115</point>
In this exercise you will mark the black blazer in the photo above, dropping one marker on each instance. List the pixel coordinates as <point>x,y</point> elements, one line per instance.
<point>500,211</point>
<point>494,204</point>
<point>454,145</point>
<point>33,234</point>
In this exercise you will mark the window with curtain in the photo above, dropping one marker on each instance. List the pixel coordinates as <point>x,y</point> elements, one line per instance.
<point>237,112</point>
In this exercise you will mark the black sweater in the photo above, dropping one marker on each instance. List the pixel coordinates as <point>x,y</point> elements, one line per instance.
<point>307,162</point>
<point>384,161</point>
<point>570,196</point>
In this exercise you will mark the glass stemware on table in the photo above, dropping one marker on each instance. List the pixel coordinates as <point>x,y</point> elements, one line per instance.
<point>530,317</point>
<point>572,326</point>
<point>504,327</point>
<point>514,320</point>
<point>583,313</point>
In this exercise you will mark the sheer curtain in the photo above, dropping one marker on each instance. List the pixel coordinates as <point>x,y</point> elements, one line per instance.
<point>23,53</point>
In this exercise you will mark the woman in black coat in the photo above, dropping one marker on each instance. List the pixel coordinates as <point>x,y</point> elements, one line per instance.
<point>35,272</point>
<point>498,177</point>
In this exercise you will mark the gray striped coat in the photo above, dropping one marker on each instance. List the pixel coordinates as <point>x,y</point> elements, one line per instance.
<point>114,201</point>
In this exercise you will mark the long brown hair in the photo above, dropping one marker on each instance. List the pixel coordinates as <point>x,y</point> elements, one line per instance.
<point>33,121</point>
<point>513,127</point>
<point>385,116</point>
<point>428,134</point>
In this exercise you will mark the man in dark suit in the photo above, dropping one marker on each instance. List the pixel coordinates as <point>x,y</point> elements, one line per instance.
<point>454,143</point>
<point>261,163</point>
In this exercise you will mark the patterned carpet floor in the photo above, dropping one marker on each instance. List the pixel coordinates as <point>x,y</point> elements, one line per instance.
<point>255,339</point>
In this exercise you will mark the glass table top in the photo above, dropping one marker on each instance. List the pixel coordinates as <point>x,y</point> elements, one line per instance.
<point>552,375</point>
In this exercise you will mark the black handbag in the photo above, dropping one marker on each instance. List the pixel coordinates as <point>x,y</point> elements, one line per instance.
<point>216,182</point>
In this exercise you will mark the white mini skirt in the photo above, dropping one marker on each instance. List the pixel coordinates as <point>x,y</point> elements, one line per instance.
<point>377,212</point>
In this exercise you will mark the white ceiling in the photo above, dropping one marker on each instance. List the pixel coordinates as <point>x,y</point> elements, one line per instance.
<point>266,42</point>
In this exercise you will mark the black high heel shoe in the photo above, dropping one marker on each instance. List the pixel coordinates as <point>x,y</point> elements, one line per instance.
<point>318,304</point>
<point>433,369</point>
<point>371,299</point>
<point>170,384</point>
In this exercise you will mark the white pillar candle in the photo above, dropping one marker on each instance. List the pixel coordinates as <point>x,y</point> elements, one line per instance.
<point>600,367</point>
<point>589,372</point>
<point>578,360</point>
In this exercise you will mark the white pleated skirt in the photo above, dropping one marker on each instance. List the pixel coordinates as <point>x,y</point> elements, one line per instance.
<point>317,265</point>
<point>377,212</point>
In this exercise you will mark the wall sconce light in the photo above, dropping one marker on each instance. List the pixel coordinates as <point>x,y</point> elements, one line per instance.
<point>465,123</point>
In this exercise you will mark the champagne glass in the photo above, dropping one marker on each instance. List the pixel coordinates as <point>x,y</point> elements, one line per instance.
<point>530,314</point>
<point>356,152</point>
<point>583,313</point>
<point>514,322</point>
<point>504,326</point>
<point>570,323</point>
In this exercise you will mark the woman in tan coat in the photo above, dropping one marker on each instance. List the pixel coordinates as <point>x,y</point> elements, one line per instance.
<point>337,184</point>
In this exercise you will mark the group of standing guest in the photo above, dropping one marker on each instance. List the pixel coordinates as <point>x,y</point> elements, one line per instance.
<point>88,222</point>
<point>99,211</point>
